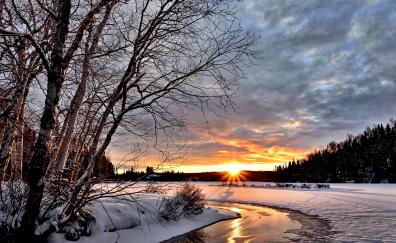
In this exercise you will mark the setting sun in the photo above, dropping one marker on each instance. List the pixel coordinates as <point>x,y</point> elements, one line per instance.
<point>233,169</point>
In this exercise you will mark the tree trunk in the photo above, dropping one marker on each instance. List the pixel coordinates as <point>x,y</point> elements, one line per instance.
<point>75,165</point>
<point>17,154</point>
<point>41,156</point>
<point>13,145</point>
<point>1,11</point>
<point>5,150</point>
<point>94,157</point>
<point>80,92</point>
<point>75,105</point>
<point>13,123</point>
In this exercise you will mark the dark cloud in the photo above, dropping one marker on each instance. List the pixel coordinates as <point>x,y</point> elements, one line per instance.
<point>328,69</point>
<point>328,64</point>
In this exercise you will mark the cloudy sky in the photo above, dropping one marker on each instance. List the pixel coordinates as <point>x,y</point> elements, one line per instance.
<point>327,70</point>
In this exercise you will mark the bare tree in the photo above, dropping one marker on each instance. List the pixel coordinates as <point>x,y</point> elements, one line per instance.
<point>20,65</point>
<point>139,66</point>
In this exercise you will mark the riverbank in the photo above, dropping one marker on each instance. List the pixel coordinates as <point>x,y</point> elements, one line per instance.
<point>119,221</point>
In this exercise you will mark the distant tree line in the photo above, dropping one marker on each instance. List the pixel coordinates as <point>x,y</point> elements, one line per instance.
<point>133,175</point>
<point>368,158</point>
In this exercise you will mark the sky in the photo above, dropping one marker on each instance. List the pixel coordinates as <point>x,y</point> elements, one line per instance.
<point>327,70</point>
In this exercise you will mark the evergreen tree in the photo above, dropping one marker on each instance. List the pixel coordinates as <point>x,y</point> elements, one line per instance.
<point>369,157</point>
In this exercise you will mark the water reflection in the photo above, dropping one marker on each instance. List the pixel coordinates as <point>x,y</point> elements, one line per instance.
<point>257,224</point>
<point>235,226</point>
<point>235,230</point>
<point>194,237</point>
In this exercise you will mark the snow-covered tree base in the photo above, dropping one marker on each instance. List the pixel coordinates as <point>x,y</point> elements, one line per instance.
<point>109,209</point>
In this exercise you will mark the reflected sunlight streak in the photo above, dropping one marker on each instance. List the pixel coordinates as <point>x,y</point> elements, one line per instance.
<point>235,231</point>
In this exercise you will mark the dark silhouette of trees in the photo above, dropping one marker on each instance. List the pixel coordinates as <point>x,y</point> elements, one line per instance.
<point>104,169</point>
<point>149,170</point>
<point>369,158</point>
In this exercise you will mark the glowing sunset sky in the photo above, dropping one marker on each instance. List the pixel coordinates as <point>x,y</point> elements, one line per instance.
<point>327,70</point>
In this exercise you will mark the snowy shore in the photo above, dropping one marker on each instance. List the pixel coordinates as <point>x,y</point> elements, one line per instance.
<point>119,221</point>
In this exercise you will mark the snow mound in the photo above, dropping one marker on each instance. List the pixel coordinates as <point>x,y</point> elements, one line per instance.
<point>112,216</point>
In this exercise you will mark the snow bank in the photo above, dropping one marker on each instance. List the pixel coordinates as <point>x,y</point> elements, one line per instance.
<point>122,216</point>
<point>358,212</point>
<point>122,221</point>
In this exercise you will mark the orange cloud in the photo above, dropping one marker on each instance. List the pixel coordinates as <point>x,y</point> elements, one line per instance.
<point>259,150</point>
<point>249,156</point>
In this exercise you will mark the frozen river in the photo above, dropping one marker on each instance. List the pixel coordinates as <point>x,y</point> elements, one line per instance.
<point>355,212</point>
<point>260,224</point>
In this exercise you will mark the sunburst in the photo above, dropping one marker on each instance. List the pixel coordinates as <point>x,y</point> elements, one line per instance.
<point>233,169</point>
<point>233,173</point>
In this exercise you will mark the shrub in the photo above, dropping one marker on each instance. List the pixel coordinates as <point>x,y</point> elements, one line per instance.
<point>188,200</point>
<point>13,194</point>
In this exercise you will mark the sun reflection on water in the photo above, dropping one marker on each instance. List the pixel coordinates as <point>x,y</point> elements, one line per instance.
<point>274,224</point>
<point>236,230</point>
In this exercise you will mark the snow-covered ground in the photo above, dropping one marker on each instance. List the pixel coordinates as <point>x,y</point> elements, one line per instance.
<point>123,221</point>
<point>357,212</point>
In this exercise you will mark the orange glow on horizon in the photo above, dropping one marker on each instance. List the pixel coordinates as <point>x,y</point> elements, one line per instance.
<point>239,153</point>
